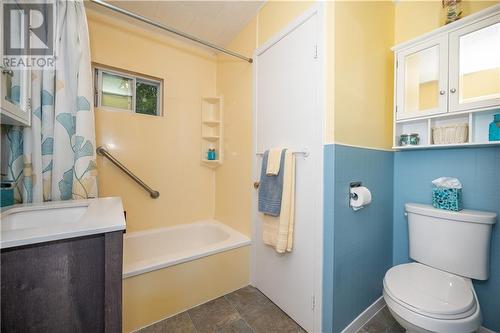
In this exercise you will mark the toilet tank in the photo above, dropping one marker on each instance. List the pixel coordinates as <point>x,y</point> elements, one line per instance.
<point>456,242</point>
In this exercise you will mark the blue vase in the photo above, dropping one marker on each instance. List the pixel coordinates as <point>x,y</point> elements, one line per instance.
<point>494,134</point>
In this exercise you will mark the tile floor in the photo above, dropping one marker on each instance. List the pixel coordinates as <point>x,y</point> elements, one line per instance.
<point>382,322</point>
<point>247,310</point>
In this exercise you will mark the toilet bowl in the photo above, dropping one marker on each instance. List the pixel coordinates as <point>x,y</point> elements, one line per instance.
<point>424,299</point>
<point>435,293</point>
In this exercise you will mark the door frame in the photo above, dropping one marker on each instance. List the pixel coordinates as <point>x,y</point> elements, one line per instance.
<point>319,9</point>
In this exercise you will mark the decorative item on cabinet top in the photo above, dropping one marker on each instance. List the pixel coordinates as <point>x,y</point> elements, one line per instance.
<point>212,131</point>
<point>447,77</point>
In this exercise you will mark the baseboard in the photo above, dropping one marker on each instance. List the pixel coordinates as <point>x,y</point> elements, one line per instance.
<point>483,329</point>
<point>372,310</point>
<point>365,316</point>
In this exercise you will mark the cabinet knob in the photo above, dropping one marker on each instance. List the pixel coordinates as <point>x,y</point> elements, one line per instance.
<point>442,92</point>
<point>453,90</point>
<point>7,72</point>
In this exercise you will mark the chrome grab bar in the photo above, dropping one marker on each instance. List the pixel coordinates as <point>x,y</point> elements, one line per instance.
<point>101,150</point>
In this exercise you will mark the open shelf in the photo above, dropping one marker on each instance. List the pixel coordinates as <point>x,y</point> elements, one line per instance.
<point>477,122</point>
<point>211,130</point>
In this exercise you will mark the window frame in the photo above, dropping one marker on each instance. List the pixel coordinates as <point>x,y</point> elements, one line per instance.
<point>97,75</point>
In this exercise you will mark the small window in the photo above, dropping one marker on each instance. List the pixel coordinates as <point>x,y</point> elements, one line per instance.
<point>120,91</point>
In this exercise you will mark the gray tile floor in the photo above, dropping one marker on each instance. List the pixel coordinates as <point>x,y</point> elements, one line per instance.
<point>382,322</point>
<point>247,310</point>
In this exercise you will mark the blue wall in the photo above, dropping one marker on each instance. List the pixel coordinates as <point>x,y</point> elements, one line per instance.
<point>479,171</point>
<point>358,245</point>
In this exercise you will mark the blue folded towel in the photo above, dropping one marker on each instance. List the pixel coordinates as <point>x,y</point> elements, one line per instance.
<point>271,187</point>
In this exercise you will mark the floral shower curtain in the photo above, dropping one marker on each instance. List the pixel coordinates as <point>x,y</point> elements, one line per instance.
<point>54,159</point>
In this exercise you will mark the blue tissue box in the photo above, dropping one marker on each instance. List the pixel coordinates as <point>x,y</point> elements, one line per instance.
<point>447,198</point>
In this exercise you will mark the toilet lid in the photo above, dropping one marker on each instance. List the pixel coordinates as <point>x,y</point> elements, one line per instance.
<point>429,290</point>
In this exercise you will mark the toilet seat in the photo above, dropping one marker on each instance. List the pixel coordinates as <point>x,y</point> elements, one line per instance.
<point>431,300</point>
<point>431,292</point>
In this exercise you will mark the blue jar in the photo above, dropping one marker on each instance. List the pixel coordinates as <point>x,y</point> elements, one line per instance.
<point>495,128</point>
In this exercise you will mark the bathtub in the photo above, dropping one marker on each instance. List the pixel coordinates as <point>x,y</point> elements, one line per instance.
<point>169,270</point>
<point>146,251</point>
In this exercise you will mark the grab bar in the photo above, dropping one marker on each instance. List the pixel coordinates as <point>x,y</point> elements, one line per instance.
<point>101,150</point>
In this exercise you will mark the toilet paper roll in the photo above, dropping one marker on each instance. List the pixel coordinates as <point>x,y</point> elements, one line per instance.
<point>361,198</point>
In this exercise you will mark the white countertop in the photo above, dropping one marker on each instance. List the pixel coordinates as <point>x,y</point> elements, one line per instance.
<point>26,224</point>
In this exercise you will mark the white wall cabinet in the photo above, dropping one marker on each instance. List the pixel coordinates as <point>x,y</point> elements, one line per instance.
<point>449,76</point>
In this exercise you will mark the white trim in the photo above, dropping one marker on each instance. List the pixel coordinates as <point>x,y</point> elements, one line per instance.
<point>483,329</point>
<point>483,14</point>
<point>356,146</point>
<point>365,316</point>
<point>372,311</point>
<point>317,9</point>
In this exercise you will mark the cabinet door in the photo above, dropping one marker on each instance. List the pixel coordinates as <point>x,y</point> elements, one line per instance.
<point>15,96</point>
<point>475,66</point>
<point>422,79</point>
<point>15,84</point>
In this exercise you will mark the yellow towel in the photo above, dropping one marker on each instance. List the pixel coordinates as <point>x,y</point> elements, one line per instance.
<point>278,231</point>
<point>273,161</point>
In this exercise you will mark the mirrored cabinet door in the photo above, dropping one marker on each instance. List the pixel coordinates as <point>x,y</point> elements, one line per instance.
<point>15,96</point>
<point>422,80</point>
<point>475,66</point>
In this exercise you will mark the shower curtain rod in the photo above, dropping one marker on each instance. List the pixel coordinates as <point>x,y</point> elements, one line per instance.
<point>171,30</point>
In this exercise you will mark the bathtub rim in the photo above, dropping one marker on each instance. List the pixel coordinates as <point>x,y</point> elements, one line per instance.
<point>236,240</point>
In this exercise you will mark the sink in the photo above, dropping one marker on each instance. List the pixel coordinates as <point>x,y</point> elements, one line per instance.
<point>43,222</point>
<point>42,216</point>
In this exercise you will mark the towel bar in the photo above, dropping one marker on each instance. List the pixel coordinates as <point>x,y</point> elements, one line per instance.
<point>304,152</point>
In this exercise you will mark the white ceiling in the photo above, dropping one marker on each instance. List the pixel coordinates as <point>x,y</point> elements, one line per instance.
<point>214,21</point>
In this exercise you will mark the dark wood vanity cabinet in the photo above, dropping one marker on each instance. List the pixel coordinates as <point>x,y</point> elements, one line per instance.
<point>70,285</point>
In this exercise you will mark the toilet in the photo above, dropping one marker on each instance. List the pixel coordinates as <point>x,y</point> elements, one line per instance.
<point>435,293</point>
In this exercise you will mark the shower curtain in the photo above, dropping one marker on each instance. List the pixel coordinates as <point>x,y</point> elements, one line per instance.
<point>54,159</point>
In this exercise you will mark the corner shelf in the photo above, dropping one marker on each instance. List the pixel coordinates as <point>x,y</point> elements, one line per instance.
<point>212,130</point>
<point>477,121</point>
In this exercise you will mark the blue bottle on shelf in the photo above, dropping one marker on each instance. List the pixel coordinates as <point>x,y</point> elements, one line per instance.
<point>211,155</point>
<point>495,128</point>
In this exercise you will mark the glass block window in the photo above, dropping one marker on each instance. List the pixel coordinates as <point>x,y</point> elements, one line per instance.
<point>121,91</point>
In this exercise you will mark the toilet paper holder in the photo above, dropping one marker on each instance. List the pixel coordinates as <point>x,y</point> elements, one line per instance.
<point>351,194</point>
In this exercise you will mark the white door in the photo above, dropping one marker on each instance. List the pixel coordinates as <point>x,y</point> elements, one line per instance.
<point>288,113</point>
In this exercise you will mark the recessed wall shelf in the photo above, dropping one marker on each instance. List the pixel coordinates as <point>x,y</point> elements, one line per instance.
<point>211,130</point>
<point>448,79</point>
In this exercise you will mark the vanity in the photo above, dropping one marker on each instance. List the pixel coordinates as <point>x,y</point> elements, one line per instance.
<point>61,266</point>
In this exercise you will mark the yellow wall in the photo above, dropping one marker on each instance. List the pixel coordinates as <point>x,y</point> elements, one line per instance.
<point>163,151</point>
<point>162,293</point>
<point>413,18</point>
<point>363,73</point>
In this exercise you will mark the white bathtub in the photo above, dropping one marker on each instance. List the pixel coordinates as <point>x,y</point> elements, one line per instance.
<point>149,250</point>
